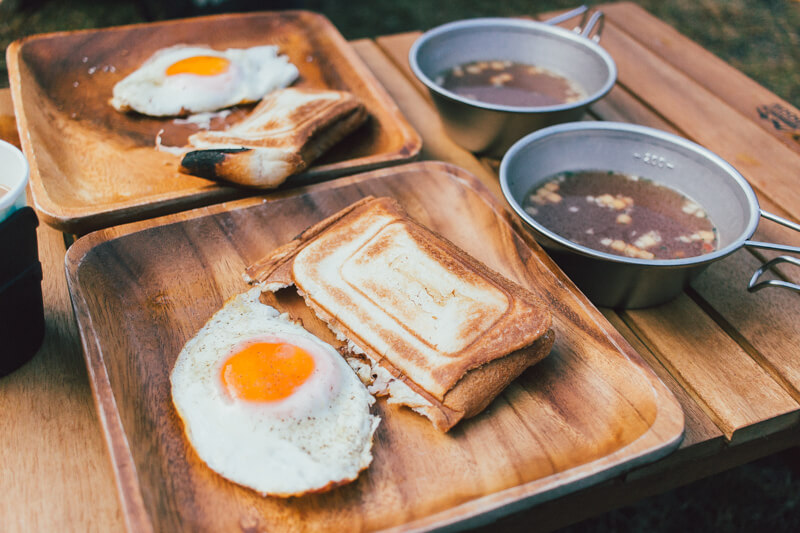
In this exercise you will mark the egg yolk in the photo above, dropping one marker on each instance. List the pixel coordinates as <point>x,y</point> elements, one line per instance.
<point>199,66</point>
<point>266,371</point>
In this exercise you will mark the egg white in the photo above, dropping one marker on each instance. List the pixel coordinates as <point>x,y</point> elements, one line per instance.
<point>319,437</point>
<point>252,73</point>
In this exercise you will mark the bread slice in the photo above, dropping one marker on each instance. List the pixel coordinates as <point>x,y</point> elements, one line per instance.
<point>283,134</point>
<point>425,322</point>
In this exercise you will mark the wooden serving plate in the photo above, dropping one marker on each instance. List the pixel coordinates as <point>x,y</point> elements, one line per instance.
<point>92,166</point>
<point>591,409</point>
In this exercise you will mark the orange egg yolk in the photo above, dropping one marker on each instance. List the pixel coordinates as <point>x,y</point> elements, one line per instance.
<point>266,371</point>
<point>199,66</point>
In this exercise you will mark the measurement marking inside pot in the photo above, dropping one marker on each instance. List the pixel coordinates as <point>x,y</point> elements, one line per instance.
<point>653,160</point>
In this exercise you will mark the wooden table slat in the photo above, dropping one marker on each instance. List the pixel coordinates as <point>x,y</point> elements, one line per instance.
<point>706,119</point>
<point>740,396</point>
<point>771,113</point>
<point>397,48</point>
<point>8,124</point>
<point>436,144</point>
<point>620,105</point>
<point>765,322</point>
<point>640,483</point>
<point>56,468</point>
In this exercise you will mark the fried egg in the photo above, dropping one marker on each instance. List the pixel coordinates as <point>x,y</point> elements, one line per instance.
<point>182,80</point>
<point>270,406</point>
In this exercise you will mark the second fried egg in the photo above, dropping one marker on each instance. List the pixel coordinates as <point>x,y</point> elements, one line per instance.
<point>270,406</point>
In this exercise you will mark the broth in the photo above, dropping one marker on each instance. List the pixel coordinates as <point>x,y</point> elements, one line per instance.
<point>4,190</point>
<point>510,83</point>
<point>621,214</point>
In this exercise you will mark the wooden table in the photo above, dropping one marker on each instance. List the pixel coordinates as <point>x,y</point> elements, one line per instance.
<point>730,357</point>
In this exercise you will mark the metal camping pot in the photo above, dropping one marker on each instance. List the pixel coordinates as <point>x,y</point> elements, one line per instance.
<point>491,128</point>
<point>625,282</point>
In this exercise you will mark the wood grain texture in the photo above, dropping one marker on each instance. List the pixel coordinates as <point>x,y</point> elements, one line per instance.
<point>437,146</point>
<point>770,166</point>
<point>93,166</point>
<point>146,288</point>
<point>640,483</point>
<point>397,47</point>
<point>8,123</point>
<point>765,323</point>
<point>739,395</point>
<point>56,473</point>
<point>753,101</point>
<point>700,429</point>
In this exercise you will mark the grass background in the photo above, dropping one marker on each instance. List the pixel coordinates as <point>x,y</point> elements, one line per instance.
<point>759,37</point>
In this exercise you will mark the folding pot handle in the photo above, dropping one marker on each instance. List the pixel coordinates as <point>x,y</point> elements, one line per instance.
<point>598,19</point>
<point>587,23</point>
<point>563,17</point>
<point>754,284</point>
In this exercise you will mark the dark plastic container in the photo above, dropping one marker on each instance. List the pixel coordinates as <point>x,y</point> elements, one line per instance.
<point>21,308</point>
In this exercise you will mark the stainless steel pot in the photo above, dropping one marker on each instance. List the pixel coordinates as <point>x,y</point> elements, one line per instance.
<point>623,282</point>
<point>491,128</point>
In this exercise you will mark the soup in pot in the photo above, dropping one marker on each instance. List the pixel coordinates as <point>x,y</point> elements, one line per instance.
<point>622,214</point>
<point>510,83</point>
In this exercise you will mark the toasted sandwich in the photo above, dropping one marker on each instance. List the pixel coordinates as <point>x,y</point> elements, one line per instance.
<point>283,134</point>
<point>424,322</point>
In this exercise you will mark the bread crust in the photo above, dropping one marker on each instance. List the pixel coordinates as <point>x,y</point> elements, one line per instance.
<point>283,135</point>
<point>471,379</point>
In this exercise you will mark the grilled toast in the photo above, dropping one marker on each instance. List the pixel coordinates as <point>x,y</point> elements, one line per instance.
<point>283,134</point>
<point>425,323</point>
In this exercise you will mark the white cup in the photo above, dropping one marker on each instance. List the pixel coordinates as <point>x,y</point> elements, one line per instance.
<point>14,172</point>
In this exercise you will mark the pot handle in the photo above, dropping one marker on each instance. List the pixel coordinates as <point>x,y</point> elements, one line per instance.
<point>754,285</point>
<point>587,23</point>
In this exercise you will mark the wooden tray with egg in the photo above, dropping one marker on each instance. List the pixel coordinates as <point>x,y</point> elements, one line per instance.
<point>93,166</point>
<point>590,410</point>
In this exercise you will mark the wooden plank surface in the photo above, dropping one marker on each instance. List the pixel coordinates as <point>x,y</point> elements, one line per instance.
<point>753,101</point>
<point>56,473</point>
<point>738,394</point>
<point>701,433</point>
<point>705,118</point>
<point>641,483</point>
<point>8,124</point>
<point>54,428</point>
<point>765,323</point>
<point>436,144</point>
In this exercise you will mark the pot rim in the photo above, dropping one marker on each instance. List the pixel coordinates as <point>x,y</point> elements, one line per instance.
<point>685,144</point>
<point>488,23</point>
